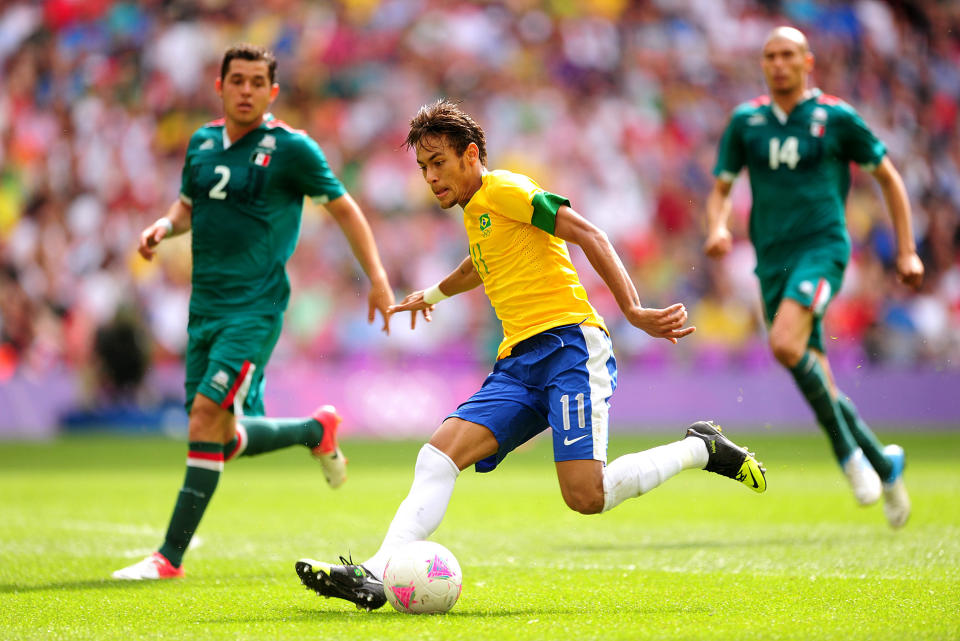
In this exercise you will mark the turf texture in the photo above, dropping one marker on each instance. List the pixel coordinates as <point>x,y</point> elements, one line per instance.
<point>698,558</point>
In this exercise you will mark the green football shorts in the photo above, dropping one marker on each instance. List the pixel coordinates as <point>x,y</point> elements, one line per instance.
<point>226,357</point>
<point>812,278</point>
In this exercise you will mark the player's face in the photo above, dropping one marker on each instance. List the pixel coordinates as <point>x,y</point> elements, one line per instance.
<point>453,178</point>
<point>246,91</point>
<point>786,65</point>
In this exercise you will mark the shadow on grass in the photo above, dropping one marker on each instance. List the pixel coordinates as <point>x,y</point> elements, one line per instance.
<point>387,614</point>
<point>98,584</point>
<point>810,541</point>
<point>192,582</point>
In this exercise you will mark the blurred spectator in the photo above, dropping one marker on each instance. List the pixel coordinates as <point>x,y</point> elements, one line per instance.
<point>618,102</point>
<point>121,357</point>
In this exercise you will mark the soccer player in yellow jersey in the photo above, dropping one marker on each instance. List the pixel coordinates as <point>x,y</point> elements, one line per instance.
<point>555,367</point>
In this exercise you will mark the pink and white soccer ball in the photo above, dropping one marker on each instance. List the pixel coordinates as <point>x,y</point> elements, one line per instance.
<point>422,577</point>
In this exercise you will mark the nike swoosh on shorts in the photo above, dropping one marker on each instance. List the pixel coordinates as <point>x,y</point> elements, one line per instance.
<point>569,441</point>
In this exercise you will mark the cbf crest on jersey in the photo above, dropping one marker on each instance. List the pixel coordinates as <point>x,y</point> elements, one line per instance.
<point>485,224</point>
<point>818,122</point>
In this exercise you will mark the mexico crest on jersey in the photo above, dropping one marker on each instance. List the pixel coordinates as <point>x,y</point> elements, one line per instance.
<point>260,159</point>
<point>818,122</point>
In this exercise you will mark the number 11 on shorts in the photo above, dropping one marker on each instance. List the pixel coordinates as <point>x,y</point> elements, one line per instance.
<point>565,406</point>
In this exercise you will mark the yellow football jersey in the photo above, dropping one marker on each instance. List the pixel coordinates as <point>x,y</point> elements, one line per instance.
<point>526,270</point>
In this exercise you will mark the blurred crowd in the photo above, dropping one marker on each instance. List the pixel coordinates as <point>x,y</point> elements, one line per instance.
<point>617,105</point>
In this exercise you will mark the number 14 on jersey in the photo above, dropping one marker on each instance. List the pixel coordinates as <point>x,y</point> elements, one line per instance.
<point>786,153</point>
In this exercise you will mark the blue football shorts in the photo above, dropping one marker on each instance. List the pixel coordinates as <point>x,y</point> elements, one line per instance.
<point>560,379</point>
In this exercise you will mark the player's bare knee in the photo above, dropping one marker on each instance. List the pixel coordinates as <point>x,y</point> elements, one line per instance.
<point>204,429</point>
<point>584,502</point>
<point>464,442</point>
<point>208,422</point>
<point>787,352</point>
<point>581,484</point>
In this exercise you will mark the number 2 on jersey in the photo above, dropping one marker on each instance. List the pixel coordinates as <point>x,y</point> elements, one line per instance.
<point>788,153</point>
<point>218,192</point>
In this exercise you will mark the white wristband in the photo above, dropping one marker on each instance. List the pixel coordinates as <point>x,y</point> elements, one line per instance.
<point>166,222</point>
<point>432,295</point>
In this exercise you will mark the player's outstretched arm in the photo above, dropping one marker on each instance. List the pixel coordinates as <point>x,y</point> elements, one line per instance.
<point>176,221</point>
<point>665,323</point>
<point>463,278</point>
<point>719,241</point>
<point>909,266</point>
<point>352,222</point>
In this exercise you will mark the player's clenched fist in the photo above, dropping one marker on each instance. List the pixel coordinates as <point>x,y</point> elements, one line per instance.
<point>718,243</point>
<point>910,270</point>
<point>151,237</point>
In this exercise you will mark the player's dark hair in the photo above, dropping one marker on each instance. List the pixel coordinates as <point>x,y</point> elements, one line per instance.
<point>444,119</point>
<point>254,53</point>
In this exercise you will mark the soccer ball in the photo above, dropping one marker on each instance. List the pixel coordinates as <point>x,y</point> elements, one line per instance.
<point>422,577</point>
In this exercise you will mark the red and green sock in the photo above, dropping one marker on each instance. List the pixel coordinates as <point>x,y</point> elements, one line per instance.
<point>204,465</point>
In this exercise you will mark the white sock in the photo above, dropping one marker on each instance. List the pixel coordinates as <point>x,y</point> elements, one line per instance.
<point>638,473</point>
<point>421,512</point>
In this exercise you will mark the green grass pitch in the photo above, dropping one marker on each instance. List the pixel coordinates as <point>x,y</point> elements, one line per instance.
<point>698,558</point>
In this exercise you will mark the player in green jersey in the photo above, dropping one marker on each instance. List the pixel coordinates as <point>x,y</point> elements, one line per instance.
<point>244,181</point>
<point>797,145</point>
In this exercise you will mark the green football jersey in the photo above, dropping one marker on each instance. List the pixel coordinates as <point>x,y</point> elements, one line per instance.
<point>247,199</point>
<point>799,166</point>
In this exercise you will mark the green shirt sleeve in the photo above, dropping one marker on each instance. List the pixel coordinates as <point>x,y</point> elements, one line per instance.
<point>311,173</point>
<point>186,174</point>
<point>731,155</point>
<point>857,142</point>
